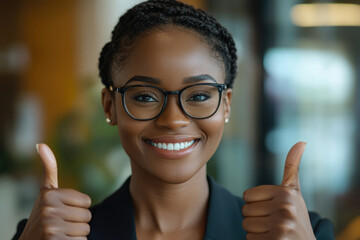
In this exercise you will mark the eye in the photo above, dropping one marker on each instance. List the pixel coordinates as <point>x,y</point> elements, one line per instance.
<point>145,97</point>
<point>198,97</point>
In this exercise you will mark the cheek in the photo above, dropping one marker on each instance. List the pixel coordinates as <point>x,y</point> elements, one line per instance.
<point>130,136</point>
<point>213,127</point>
<point>129,131</point>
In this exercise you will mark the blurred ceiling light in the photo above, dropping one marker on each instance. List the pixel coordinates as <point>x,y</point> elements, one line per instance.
<point>326,14</point>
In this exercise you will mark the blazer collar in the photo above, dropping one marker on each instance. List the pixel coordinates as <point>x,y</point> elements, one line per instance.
<point>114,217</point>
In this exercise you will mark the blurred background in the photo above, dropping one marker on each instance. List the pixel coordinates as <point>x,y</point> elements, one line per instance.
<point>298,79</point>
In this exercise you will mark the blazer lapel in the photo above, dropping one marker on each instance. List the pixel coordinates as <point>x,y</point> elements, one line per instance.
<point>224,219</point>
<point>113,219</point>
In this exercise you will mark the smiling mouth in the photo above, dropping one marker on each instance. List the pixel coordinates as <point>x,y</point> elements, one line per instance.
<point>174,146</point>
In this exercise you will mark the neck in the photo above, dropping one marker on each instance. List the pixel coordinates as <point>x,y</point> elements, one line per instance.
<point>168,208</point>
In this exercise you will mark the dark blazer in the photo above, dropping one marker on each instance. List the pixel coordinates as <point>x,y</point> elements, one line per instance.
<point>113,219</point>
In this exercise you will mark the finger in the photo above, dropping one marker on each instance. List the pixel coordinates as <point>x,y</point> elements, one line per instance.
<point>292,163</point>
<point>76,229</point>
<point>76,214</point>
<point>260,193</point>
<point>49,176</point>
<point>74,198</point>
<point>256,224</point>
<point>257,209</point>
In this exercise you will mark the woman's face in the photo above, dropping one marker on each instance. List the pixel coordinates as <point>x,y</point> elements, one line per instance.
<point>173,57</point>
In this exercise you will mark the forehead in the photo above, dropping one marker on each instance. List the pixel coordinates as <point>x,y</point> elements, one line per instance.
<point>170,53</point>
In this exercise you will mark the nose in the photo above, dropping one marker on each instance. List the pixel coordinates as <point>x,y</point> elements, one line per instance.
<point>172,117</point>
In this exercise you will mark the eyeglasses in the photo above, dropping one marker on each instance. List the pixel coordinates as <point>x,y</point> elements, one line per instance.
<point>147,102</point>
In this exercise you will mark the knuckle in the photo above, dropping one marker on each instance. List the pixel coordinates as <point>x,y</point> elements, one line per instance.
<point>288,195</point>
<point>245,195</point>
<point>87,200</point>
<point>83,229</point>
<point>292,192</point>
<point>245,209</point>
<point>50,231</point>
<point>86,216</point>
<point>280,231</point>
<point>245,224</point>
<point>290,230</point>
<point>83,198</point>
<point>87,229</point>
<point>89,215</point>
<point>285,228</point>
<point>48,212</point>
<point>288,211</point>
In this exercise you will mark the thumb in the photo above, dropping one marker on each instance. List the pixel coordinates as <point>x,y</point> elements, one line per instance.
<point>49,176</point>
<point>292,163</point>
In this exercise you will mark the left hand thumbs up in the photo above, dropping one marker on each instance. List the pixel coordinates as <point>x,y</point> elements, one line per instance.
<point>279,212</point>
<point>292,163</point>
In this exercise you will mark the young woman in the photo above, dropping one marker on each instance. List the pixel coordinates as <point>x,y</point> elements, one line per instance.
<point>168,72</point>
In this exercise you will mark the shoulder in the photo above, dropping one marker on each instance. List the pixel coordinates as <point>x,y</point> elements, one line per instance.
<point>19,229</point>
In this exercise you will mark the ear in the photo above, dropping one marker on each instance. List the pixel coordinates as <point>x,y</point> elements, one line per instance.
<point>227,103</point>
<point>108,102</point>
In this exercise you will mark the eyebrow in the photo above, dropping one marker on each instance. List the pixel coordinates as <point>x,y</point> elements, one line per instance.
<point>187,80</point>
<point>144,79</point>
<point>199,78</point>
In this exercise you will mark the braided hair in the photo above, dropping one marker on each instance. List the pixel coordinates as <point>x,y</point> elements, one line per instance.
<point>152,14</point>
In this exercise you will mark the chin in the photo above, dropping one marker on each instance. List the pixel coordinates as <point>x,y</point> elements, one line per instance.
<point>175,172</point>
<point>175,178</point>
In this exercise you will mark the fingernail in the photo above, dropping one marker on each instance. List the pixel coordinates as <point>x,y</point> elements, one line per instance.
<point>37,148</point>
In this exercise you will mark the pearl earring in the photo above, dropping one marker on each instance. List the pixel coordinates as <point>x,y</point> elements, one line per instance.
<point>226,120</point>
<point>108,120</point>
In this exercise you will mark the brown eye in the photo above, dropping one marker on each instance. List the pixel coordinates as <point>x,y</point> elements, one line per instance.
<point>145,98</point>
<point>199,97</point>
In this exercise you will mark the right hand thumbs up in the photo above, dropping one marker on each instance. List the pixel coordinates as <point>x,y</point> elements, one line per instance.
<point>58,213</point>
<point>49,164</point>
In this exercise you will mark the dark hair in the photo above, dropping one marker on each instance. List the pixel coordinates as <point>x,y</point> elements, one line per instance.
<point>151,14</point>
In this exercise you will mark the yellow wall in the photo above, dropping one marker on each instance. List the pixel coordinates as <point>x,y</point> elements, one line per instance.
<point>48,29</point>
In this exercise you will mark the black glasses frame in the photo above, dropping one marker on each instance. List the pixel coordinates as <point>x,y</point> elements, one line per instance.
<point>122,90</point>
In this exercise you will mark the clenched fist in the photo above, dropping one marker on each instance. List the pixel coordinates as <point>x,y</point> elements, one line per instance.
<point>58,213</point>
<point>279,212</point>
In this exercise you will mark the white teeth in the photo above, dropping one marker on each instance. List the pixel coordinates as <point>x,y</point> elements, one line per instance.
<point>170,146</point>
<point>176,146</point>
<point>173,146</point>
